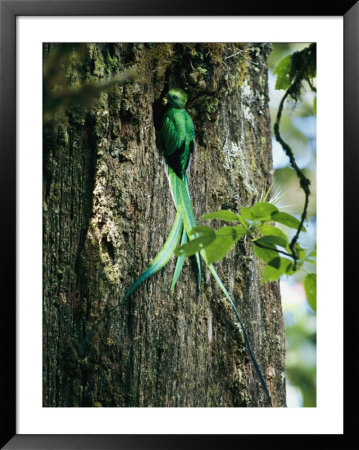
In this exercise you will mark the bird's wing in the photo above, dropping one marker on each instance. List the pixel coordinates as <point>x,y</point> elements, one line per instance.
<point>177,142</point>
<point>171,137</point>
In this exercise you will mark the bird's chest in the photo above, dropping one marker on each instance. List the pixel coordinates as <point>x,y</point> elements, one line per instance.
<point>179,123</point>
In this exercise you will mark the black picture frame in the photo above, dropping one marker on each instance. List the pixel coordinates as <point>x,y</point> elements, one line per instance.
<point>9,10</point>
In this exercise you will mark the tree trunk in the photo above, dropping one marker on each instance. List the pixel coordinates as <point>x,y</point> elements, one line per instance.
<point>108,210</point>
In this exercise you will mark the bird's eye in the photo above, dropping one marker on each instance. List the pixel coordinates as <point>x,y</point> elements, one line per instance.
<point>175,97</point>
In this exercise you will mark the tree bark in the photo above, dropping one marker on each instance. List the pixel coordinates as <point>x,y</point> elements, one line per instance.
<point>108,210</point>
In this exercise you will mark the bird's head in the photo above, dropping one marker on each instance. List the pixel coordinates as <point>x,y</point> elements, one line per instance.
<point>176,98</point>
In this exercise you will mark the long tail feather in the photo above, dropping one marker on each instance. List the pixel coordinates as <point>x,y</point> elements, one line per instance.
<point>176,185</point>
<point>180,262</point>
<point>163,256</point>
<point>197,255</point>
<point>189,222</point>
<point>250,351</point>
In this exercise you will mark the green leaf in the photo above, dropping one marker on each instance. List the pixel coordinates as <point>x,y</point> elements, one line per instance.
<point>275,269</point>
<point>224,240</point>
<point>286,219</point>
<point>301,252</point>
<point>263,211</point>
<point>202,230</point>
<point>310,287</point>
<point>196,245</point>
<point>315,105</point>
<point>240,232</point>
<point>282,71</point>
<point>269,274</point>
<point>246,213</point>
<point>275,262</point>
<point>289,269</point>
<point>264,254</point>
<point>223,214</point>
<point>269,230</point>
<point>244,222</point>
<point>271,241</point>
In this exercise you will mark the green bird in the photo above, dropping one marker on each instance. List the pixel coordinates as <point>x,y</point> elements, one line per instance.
<point>177,143</point>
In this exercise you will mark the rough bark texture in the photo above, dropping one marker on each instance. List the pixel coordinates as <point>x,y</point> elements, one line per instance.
<point>108,210</point>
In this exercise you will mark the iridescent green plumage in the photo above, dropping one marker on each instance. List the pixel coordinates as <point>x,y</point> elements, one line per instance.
<point>177,145</point>
<point>177,134</point>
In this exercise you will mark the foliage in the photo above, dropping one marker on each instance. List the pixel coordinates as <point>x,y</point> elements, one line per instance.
<point>272,243</point>
<point>255,223</point>
<point>301,352</point>
<point>298,127</point>
<point>296,68</point>
<point>280,255</point>
<point>310,286</point>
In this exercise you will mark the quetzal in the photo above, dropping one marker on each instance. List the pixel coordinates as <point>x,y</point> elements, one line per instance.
<point>177,142</point>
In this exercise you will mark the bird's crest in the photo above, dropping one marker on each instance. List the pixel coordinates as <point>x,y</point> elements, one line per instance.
<point>177,98</point>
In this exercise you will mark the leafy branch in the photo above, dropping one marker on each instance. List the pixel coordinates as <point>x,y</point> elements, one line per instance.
<point>291,72</point>
<point>271,245</point>
<point>255,223</point>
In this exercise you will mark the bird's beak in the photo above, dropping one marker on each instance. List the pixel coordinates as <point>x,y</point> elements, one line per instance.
<point>164,101</point>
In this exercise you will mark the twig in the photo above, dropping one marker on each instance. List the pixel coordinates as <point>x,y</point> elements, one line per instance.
<point>274,249</point>
<point>304,182</point>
